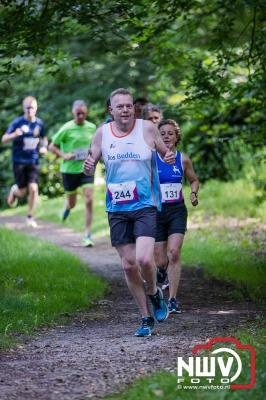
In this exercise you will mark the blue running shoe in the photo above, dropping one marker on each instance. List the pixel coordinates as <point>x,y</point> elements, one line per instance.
<point>160,309</point>
<point>65,214</point>
<point>173,306</point>
<point>146,328</point>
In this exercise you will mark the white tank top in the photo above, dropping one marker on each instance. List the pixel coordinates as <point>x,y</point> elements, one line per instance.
<point>131,170</point>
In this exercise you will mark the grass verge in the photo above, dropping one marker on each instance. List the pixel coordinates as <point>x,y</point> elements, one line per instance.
<point>235,255</point>
<point>237,199</point>
<point>51,210</point>
<point>39,283</point>
<point>227,199</point>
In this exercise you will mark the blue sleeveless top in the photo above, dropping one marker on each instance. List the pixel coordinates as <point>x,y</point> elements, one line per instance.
<point>171,178</point>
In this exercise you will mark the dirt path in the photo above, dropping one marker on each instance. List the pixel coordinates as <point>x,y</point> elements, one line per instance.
<point>96,353</point>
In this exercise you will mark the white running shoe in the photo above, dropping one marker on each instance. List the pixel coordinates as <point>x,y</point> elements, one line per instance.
<point>12,200</point>
<point>31,222</point>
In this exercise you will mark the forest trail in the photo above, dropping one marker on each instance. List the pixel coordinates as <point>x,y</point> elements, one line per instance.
<point>96,353</point>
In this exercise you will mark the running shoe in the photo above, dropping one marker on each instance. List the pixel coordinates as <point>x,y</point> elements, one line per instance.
<point>165,284</point>
<point>87,241</point>
<point>31,222</point>
<point>173,306</point>
<point>161,275</point>
<point>160,309</point>
<point>65,214</point>
<point>12,200</point>
<point>146,328</point>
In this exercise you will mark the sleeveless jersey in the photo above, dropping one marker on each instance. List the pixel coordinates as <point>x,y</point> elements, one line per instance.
<point>171,177</point>
<point>131,170</point>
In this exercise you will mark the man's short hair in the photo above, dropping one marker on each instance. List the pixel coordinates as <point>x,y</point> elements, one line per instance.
<point>78,103</point>
<point>28,99</point>
<point>120,91</point>
<point>150,108</point>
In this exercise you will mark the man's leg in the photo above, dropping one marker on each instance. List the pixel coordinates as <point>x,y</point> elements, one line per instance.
<point>31,175</point>
<point>71,200</point>
<point>71,182</point>
<point>14,192</point>
<point>145,258</point>
<point>88,195</point>
<point>19,189</point>
<point>145,232</point>
<point>32,197</point>
<point>134,280</point>
<point>32,201</point>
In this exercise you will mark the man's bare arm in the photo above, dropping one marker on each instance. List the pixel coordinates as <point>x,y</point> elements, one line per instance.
<point>95,153</point>
<point>8,137</point>
<point>154,140</point>
<point>159,144</point>
<point>55,149</point>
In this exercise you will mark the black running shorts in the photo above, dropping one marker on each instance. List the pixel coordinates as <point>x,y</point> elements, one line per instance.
<point>172,219</point>
<point>126,226</point>
<point>25,174</point>
<point>72,182</point>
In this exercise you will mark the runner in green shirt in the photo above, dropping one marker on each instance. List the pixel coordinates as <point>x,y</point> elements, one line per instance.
<point>71,143</point>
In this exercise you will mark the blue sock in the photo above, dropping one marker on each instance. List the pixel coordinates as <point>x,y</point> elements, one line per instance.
<point>66,214</point>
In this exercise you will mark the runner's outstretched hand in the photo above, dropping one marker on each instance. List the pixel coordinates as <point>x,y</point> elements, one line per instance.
<point>68,156</point>
<point>169,157</point>
<point>18,132</point>
<point>89,165</point>
<point>43,150</point>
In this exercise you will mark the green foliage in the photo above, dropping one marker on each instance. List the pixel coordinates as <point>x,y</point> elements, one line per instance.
<point>225,137</point>
<point>40,283</point>
<point>6,175</point>
<point>202,61</point>
<point>50,176</point>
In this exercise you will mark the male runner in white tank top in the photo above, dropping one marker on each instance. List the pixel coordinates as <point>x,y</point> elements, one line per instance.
<point>128,148</point>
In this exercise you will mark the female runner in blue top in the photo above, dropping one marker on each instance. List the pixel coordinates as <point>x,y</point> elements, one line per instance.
<point>172,219</point>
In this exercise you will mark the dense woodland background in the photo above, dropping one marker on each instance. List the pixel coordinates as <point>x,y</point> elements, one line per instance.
<point>202,61</point>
